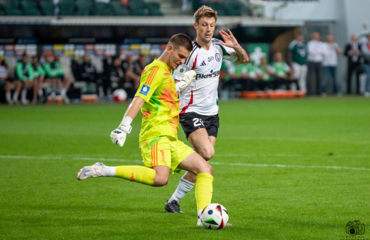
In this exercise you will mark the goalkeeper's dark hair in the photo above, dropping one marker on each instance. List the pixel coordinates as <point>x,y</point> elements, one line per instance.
<point>181,40</point>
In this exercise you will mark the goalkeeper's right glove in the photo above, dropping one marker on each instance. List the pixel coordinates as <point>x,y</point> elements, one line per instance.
<point>185,82</point>
<point>118,135</point>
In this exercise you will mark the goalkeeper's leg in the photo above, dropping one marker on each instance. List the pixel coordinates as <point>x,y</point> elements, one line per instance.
<point>156,176</point>
<point>204,146</point>
<point>204,182</point>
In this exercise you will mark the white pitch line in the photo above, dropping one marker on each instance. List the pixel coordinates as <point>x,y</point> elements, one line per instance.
<point>212,163</point>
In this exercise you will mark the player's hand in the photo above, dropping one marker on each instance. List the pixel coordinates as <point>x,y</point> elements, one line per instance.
<point>189,76</point>
<point>118,135</point>
<point>229,39</point>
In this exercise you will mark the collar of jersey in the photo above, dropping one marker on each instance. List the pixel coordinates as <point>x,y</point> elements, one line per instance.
<point>162,63</point>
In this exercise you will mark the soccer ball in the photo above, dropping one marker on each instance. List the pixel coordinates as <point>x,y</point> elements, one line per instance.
<point>119,95</point>
<point>214,216</point>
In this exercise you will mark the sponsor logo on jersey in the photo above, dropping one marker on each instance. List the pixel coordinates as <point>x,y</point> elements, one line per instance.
<point>218,57</point>
<point>209,75</point>
<point>144,90</point>
<point>210,58</point>
<point>203,64</point>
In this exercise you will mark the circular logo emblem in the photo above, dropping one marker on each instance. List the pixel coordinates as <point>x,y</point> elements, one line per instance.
<point>145,89</point>
<point>218,57</point>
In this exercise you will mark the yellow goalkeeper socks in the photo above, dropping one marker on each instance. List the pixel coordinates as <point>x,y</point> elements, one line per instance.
<point>203,190</point>
<point>136,173</point>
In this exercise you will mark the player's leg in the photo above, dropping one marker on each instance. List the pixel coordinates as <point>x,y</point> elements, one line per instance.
<point>18,87</point>
<point>8,92</point>
<point>203,140</point>
<point>54,88</point>
<point>204,182</point>
<point>40,91</point>
<point>156,176</point>
<point>66,83</point>
<point>35,85</point>
<point>26,86</point>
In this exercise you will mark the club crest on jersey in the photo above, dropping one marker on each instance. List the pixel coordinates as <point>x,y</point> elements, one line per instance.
<point>218,57</point>
<point>144,90</point>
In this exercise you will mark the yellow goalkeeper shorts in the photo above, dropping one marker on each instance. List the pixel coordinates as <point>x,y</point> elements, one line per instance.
<point>164,151</point>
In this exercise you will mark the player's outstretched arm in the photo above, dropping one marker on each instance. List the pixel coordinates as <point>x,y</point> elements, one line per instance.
<point>230,41</point>
<point>118,135</point>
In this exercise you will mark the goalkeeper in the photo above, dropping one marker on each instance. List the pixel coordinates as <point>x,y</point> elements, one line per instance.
<point>161,150</point>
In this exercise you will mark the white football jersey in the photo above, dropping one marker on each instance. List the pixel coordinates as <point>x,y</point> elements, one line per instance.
<point>201,95</point>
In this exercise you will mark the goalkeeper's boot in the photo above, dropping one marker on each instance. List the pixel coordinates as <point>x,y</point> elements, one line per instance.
<point>95,170</point>
<point>172,207</point>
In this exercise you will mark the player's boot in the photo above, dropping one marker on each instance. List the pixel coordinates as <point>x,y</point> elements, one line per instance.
<point>95,170</point>
<point>172,207</point>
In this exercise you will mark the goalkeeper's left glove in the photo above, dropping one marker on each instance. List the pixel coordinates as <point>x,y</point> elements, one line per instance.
<point>188,78</point>
<point>118,135</point>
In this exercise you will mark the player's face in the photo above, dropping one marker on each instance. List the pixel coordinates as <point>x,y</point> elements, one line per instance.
<point>205,29</point>
<point>177,56</point>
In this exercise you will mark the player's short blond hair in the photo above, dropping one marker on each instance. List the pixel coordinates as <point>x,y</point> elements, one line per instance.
<point>205,11</point>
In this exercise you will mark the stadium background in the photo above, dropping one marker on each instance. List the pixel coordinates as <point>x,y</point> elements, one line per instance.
<point>71,28</point>
<point>285,169</point>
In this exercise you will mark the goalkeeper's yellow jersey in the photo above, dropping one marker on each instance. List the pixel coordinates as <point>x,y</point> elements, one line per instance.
<point>161,108</point>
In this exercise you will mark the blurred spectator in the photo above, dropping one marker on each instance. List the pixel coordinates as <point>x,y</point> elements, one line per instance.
<point>87,70</point>
<point>251,74</point>
<point>75,67</point>
<point>55,75</point>
<point>39,76</point>
<point>4,77</point>
<point>130,76</point>
<point>282,72</point>
<point>353,53</point>
<point>139,65</point>
<point>330,63</point>
<point>266,80</point>
<point>298,56</point>
<point>315,58</point>
<point>24,73</point>
<point>366,53</point>
<point>89,74</point>
<point>235,71</point>
<point>116,74</point>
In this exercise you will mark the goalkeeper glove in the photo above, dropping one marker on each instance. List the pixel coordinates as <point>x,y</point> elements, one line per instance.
<point>118,135</point>
<point>184,83</point>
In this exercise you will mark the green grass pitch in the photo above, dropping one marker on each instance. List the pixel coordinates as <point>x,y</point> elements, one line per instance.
<point>285,169</point>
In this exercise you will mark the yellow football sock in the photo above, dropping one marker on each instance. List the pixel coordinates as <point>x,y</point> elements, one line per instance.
<point>136,173</point>
<point>203,190</point>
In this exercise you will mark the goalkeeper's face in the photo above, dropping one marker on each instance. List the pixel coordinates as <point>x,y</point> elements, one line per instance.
<point>205,29</point>
<point>177,56</point>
